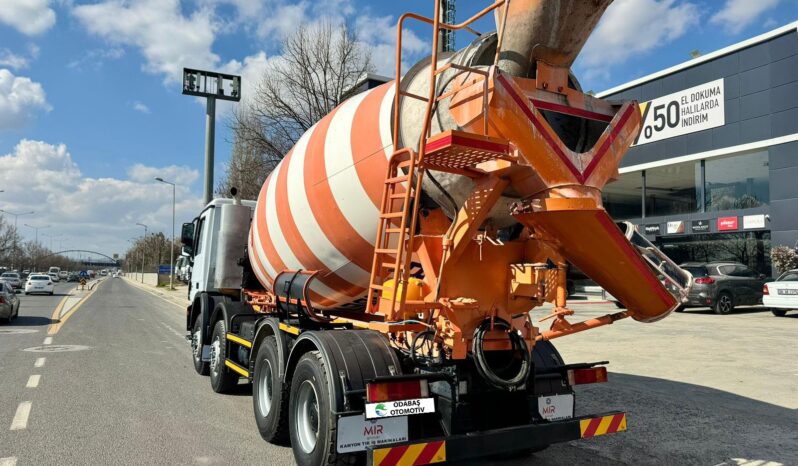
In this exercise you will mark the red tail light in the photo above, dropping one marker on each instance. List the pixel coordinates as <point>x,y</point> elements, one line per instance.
<point>590,375</point>
<point>400,390</point>
<point>705,280</point>
<point>2,300</point>
<point>765,290</point>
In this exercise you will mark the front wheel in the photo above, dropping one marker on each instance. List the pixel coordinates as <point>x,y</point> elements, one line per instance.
<point>312,424</point>
<point>724,304</point>
<point>269,394</point>
<point>200,366</point>
<point>222,379</point>
<point>779,312</point>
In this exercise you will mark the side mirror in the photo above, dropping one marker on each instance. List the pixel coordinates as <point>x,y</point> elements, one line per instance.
<point>187,237</point>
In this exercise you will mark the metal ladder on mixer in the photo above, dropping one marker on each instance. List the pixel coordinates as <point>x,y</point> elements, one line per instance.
<point>399,207</point>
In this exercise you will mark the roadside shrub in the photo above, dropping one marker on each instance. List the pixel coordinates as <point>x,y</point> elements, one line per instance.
<point>784,258</point>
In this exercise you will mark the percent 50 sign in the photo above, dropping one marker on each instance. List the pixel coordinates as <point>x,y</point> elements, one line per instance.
<point>695,109</point>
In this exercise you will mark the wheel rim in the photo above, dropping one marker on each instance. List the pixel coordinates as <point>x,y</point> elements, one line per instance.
<point>306,417</point>
<point>215,350</point>
<point>725,304</point>
<point>265,388</point>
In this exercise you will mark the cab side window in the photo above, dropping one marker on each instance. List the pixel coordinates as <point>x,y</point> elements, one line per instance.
<point>198,237</point>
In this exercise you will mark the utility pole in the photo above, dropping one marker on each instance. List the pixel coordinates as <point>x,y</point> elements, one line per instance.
<point>211,85</point>
<point>172,248</point>
<point>16,234</point>
<point>446,39</point>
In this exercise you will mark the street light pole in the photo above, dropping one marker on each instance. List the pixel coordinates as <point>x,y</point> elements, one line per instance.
<point>16,232</point>
<point>142,252</point>
<point>172,248</point>
<point>36,229</point>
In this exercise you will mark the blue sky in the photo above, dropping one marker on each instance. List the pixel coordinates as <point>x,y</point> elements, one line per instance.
<point>91,110</point>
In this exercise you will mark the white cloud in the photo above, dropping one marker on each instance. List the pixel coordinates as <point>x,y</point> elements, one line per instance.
<point>379,34</point>
<point>30,17</point>
<point>168,40</point>
<point>20,100</point>
<point>140,107</point>
<point>95,58</point>
<point>634,27</point>
<point>736,15</point>
<point>177,174</point>
<point>97,214</point>
<point>12,60</point>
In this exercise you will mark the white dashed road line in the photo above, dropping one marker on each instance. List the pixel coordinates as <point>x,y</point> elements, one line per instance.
<point>33,381</point>
<point>11,461</point>
<point>39,363</point>
<point>48,340</point>
<point>20,421</point>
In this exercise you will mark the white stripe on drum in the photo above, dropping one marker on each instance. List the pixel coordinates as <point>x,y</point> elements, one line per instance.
<point>281,246</point>
<point>351,198</point>
<point>255,259</point>
<point>386,120</point>
<point>333,259</point>
<point>262,259</point>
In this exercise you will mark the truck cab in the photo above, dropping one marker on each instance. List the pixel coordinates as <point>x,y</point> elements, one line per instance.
<point>213,242</point>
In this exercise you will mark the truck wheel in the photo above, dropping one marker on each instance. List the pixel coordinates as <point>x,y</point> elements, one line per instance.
<point>724,304</point>
<point>311,423</point>
<point>196,347</point>
<point>779,312</point>
<point>222,379</point>
<point>269,394</point>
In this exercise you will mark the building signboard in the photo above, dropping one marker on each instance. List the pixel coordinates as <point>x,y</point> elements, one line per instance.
<point>674,227</point>
<point>753,221</point>
<point>652,229</point>
<point>727,223</point>
<point>694,109</point>
<point>700,226</point>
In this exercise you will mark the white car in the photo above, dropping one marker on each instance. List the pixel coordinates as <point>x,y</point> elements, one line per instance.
<point>39,283</point>
<point>782,295</point>
<point>54,277</point>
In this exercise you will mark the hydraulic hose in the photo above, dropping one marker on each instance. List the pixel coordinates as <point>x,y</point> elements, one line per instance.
<point>481,363</point>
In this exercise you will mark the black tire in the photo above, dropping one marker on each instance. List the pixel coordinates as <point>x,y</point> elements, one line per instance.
<point>724,304</point>
<point>779,312</point>
<point>310,404</point>
<point>26,293</point>
<point>270,394</point>
<point>200,366</point>
<point>4,320</point>
<point>681,308</point>
<point>619,305</point>
<point>222,378</point>
<point>51,293</point>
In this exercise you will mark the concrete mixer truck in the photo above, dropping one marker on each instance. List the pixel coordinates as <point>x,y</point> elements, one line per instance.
<point>381,293</point>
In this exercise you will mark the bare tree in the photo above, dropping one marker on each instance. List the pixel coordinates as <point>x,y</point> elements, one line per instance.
<point>318,67</point>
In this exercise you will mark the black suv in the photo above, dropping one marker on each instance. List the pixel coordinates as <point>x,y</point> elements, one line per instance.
<point>723,285</point>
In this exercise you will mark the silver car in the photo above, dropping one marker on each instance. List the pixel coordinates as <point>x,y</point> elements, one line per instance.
<point>9,303</point>
<point>12,278</point>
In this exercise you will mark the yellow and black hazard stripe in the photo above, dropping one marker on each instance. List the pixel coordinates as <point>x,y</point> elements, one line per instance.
<point>602,425</point>
<point>411,455</point>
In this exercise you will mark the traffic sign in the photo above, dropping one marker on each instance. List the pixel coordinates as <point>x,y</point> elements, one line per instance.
<point>164,269</point>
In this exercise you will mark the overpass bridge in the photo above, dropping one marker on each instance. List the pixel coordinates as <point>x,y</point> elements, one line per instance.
<point>91,259</point>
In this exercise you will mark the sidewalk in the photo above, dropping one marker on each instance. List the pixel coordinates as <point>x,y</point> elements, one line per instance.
<point>178,296</point>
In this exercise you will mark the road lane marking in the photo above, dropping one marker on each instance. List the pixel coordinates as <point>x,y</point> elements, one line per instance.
<point>10,461</point>
<point>39,362</point>
<point>20,421</point>
<point>48,340</point>
<point>157,295</point>
<point>61,320</point>
<point>33,381</point>
<point>173,331</point>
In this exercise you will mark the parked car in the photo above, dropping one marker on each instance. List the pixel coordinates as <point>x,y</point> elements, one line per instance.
<point>39,283</point>
<point>54,277</point>
<point>9,303</point>
<point>782,295</point>
<point>723,285</point>
<point>12,279</point>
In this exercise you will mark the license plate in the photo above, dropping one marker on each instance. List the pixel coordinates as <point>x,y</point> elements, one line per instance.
<point>556,407</point>
<point>790,291</point>
<point>400,408</point>
<point>356,433</point>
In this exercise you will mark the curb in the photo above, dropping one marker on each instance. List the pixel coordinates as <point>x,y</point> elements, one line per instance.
<point>154,291</point>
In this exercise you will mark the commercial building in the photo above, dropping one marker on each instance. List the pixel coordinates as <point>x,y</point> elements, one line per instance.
<point>714,172</point>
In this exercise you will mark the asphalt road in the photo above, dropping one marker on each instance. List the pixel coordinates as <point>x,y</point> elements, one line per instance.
<point>698,389</point>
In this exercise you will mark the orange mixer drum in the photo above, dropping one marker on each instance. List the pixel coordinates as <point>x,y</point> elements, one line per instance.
<point>318,209</point>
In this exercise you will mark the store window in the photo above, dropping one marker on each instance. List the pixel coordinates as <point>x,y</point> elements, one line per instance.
<point>738,182</point>
<point>750,248</point>
<point>622,198</point>
<point>673,189</point>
